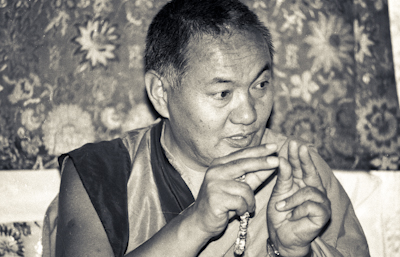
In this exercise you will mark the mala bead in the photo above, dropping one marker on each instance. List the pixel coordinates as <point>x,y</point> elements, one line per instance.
<point>240,243</point>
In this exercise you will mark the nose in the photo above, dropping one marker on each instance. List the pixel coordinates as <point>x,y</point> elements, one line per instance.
<point>244,112</point>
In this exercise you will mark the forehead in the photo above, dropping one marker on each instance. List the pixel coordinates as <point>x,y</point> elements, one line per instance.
<point>237,53</point>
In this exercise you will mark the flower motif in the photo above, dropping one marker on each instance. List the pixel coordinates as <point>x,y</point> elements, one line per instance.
<point>259,4</point>
<point>386,162</point>
<point>23,4</point>
<point>379,5</point>
<point>344,145</point>
<point>8,154</point>
<point>57,4</point>
<point>304,86</point>
<point>31,146</point>
<point>293,21</point>
<point>4,143</point>
<point>3,3</point>
<point>29,142</point>
<point>10,241</point>
<point>362,42</point>
<point>331,43</point>
<point>336,88</point>
<point>144,4</point>
<point>362,3</point>
<point>345,115</point>
<point>67,127</point>
<point>135,56</point>
<point>83,3</point>
<point>102,7</point>
<point>136,12</point>
<point>55,57</point>
<point>97,42</point>
<point>292,57</point>
<point>110,118</point>
<point>305,123</point>
<point>18,43</point>
<point>341,136</point>
<point>379,127</point>
<point>31,120</point>
<point>23,88</point>
<point>103,88</point>
<point>60,21</point>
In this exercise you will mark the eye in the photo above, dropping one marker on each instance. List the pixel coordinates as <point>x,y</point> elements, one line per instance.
<point>262,85</point>
<point>222,95</point>
<point>260,89</point>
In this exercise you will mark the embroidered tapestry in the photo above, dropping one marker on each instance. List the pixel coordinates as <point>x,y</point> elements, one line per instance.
<point>71,72</point>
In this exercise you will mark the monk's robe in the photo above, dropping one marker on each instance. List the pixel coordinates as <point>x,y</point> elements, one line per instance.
<point>136,191</point>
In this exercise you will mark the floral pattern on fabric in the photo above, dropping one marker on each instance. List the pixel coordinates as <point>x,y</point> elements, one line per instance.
<point>71,72</point>
<point>20,239</point>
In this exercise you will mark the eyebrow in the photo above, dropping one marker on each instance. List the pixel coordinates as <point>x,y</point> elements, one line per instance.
<point>218,80</point>
<point>267,67</point>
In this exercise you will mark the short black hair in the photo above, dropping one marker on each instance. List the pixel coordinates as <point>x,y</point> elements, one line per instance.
<point>179,21</point>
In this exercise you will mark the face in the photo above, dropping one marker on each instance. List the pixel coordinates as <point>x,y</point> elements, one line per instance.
<point>224,100</point>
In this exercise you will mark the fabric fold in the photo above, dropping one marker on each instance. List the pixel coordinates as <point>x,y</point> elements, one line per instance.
<point>104,167</point>
<point>175,195</point>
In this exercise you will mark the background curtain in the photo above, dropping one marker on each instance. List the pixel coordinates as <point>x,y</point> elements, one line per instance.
<point>71,72</point>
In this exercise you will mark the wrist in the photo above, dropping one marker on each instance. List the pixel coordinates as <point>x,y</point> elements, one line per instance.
<point>273,250</point>
<point>193,222</point>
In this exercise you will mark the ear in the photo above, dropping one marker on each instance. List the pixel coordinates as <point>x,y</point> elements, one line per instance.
<point>156,88</point>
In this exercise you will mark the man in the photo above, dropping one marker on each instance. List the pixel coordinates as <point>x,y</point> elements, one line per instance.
<point>173,189</point>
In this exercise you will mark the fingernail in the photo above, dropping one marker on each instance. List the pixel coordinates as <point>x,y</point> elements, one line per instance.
<point>289,215</point>
<point>271,147</point>
<point>280,205</point>
<point>273,160</point>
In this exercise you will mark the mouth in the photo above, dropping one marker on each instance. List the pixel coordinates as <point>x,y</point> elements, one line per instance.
<point>240,140</point>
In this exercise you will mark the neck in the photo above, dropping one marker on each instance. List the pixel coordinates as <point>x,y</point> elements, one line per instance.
<point>181,154</point>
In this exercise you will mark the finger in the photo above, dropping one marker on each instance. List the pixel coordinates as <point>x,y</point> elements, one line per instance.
<point>232,205</point>
<point>258,151</point>
<point>284,180</point>
<point>294,160</point>
<point>238,167</point>
<point>317,213</point>
<point>227,205</point>
<point>242,206</point>
<point>301,196</point>
<point>255,179</point>
<point>236,190</point>
<point>310,174</point>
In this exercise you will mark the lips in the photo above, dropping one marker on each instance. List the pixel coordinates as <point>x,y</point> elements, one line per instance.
<point>240,140</point>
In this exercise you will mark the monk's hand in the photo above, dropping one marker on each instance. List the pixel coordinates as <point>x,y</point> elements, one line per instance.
<point>222,195</point>
<point>298,208</point>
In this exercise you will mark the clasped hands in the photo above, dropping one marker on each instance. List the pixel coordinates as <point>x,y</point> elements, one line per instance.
<point>298,208</point>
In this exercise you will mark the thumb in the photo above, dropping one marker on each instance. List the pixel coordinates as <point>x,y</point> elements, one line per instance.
<point>284,180</point>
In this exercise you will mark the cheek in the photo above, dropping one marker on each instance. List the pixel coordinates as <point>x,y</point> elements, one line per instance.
<point>206,118</point>
<point>192,121</point>
<point>264,107</point>
<point>267,102</point>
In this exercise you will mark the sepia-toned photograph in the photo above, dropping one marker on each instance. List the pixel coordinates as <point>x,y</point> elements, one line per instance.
<point>185,128</point>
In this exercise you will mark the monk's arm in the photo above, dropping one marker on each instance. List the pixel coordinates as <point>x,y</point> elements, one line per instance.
<point>81,233</point>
